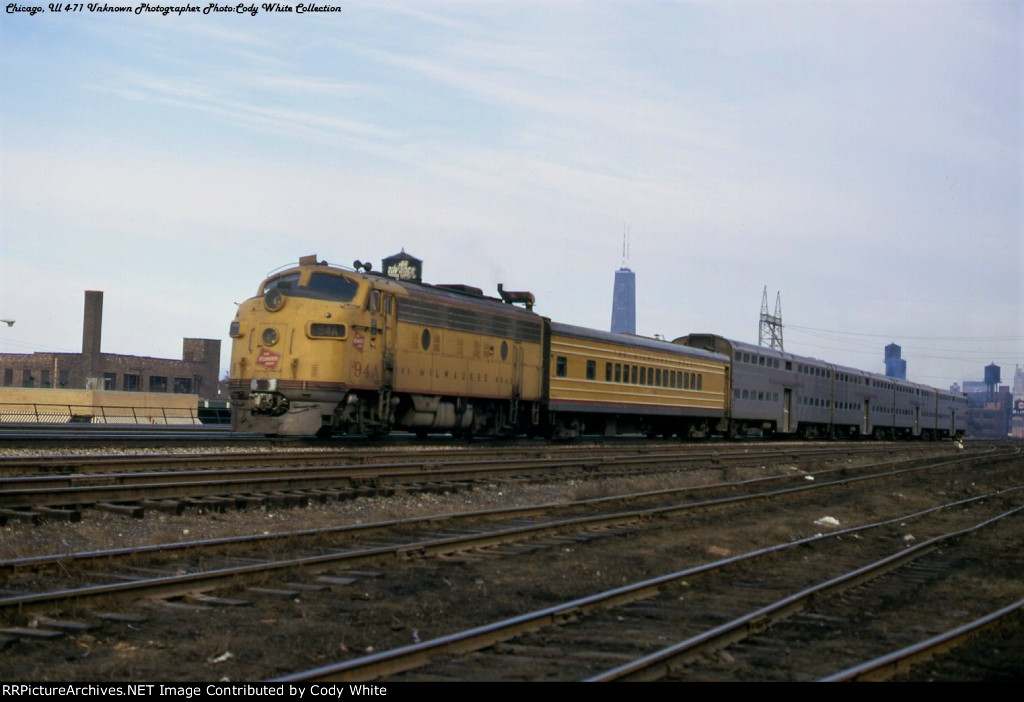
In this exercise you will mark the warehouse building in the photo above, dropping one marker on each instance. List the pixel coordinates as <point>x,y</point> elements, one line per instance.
<point>195,374</point>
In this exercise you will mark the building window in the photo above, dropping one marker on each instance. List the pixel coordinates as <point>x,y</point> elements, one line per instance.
<point>44,379</point>
<point>27,381</point>
<point>131,382</point>
<point>183,385</point>
<point>8,377</point>
<point>110,381</point>
<point>158,383</point>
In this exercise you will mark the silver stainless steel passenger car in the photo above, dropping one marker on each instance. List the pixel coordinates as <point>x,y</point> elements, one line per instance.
<point>773,392</point>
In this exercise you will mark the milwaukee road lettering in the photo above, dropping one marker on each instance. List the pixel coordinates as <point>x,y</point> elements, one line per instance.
<point>268,359</point>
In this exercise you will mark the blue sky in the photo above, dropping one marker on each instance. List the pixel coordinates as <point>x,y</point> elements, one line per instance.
<point>865,159</point>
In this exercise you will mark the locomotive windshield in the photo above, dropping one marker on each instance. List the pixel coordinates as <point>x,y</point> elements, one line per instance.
<point>285,284</point>
<point>332,287</point>
<point>322,286</point>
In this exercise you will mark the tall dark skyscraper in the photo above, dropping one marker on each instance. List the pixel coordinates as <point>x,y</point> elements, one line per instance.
<point>895,365</point>
<point>624,299</point>
<point>624,302</point>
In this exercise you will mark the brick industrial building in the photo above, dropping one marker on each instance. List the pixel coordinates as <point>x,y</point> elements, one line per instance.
<point>196,373</point>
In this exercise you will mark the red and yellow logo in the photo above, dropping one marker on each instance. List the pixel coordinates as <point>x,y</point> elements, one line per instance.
<point>357,342</point>
<point>268,359</point>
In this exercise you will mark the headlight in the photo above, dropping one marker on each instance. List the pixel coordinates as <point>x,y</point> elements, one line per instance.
<point>274,300</point>
<point>269,336</point>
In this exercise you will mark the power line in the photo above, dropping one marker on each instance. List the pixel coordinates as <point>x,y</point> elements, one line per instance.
<point>916,338</point>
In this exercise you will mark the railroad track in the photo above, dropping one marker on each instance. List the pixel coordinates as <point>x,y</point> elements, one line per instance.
<point>383,559</point>
<point>692,497</point>
<point>570,640</point>
<point>41,436</point>
<point>57,487</point>
<point>991,643</point>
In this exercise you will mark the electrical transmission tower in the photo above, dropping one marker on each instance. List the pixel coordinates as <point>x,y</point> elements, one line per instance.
<point>770,333</point>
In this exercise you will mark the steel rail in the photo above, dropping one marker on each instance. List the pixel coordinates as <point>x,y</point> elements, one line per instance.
<point>426,454</point>
<point>655,665</point>
<point>182,584</point>
<point>891,664</point>
<point>414,656</point>
<point>59,490</point>
<point>500,512</point>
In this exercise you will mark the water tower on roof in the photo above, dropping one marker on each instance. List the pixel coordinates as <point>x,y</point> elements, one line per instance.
<point>402,266</point>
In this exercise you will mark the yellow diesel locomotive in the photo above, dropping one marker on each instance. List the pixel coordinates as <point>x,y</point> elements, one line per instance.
<point>321,348</point>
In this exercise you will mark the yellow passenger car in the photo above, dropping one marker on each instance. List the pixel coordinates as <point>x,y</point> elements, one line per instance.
<point>616,384</point>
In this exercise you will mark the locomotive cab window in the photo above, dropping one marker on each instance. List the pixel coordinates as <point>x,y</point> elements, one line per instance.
<point>321,286</point>
<point>285,282</point>
<point>331,287</point>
